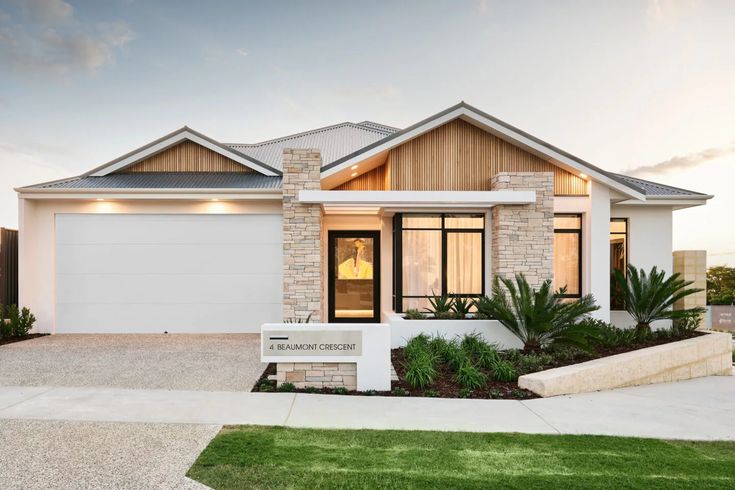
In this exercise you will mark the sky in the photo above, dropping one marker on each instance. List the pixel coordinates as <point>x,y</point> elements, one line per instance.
<point>640,87</point>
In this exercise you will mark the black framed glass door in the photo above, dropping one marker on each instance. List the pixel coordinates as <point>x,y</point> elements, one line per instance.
<point>354,276</point>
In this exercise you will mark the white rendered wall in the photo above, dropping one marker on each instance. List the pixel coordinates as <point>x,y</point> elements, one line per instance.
<point>595,211</point>
<point>650,243</point>
<point>37,241</point>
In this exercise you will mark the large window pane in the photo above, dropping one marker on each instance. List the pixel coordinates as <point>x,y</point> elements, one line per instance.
<point>422,262</point>
<point>464,263</point>
<point>566,262</point>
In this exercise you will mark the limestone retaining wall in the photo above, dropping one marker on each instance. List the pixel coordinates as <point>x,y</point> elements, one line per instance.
<point>707,355</point>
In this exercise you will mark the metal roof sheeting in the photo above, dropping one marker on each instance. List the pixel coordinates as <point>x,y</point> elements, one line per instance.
<point>334,142</point>
<point>656,189</point>
<point>169,180</point>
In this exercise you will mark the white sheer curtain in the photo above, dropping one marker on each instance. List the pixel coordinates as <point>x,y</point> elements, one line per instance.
<point>464,263</point>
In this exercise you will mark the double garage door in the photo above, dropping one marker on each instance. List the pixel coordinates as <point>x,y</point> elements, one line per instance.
<point>144,273</point>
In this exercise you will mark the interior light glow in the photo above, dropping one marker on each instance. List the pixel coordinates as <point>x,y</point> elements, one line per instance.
<point>584,176</point>
<point>354,167</point>
<point>354,174</point>
<point>100,199</point>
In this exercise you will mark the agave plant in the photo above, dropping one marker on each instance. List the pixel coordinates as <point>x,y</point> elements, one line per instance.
<point>651,296</point>
<point>441,306</point>
<point>540,318</point>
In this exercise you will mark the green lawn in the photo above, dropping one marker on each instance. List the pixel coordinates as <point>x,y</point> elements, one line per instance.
<point>277,457</point>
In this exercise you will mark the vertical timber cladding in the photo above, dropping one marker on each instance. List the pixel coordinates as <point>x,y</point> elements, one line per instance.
<point>187,156</point>
<point>458,156</point>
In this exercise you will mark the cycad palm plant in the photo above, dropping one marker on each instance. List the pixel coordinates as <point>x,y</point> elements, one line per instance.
<point>651,296</point>
<point>538,318</point>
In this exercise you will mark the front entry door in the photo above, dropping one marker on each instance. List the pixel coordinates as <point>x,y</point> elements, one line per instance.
<point>354,276</point>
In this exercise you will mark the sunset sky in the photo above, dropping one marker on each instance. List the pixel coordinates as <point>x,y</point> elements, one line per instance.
<point>637,86</point>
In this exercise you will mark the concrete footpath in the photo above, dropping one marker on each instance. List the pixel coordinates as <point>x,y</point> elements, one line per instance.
<point>696,409</point>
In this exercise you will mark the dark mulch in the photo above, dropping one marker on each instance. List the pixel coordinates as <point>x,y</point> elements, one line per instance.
<point>12,340</point>
<point>445,386</point>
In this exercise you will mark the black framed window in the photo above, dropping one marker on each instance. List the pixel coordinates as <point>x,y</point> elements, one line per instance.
<point>437,254</point>
<point>568,254</point>
<point>618,257</point>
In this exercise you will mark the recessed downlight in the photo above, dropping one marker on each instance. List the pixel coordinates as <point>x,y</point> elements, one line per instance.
<point>584,176</point>
<point>100,199</point>
<point>354,174</point>
<point>354,167</point>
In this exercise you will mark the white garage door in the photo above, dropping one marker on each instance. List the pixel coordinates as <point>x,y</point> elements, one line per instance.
<point>138,273</point>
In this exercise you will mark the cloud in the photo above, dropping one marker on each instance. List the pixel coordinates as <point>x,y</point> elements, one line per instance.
<point>48,11</point>
<point>48,39</point>
<point>241,51</point>
<point>684,162</point>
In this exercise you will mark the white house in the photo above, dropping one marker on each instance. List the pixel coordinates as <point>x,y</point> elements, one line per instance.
<point>347,223</point>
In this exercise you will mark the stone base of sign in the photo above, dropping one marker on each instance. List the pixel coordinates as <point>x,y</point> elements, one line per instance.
<point>706,355</point>
<point>317,374</point>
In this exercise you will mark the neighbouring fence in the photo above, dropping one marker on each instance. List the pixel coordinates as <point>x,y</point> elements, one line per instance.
<point>8,266</point>
<point>722,317</point>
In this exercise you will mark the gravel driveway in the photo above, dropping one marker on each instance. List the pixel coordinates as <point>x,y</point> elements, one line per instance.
<point>175,361</point>
<point>55,454</point>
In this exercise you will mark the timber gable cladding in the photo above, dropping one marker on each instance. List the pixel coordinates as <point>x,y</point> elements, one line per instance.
<point>187,156</point>
<point>458,156</point>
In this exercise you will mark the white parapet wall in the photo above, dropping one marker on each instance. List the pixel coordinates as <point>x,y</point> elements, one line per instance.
<point>492,331</point>
<point>707,355</point>
<point>315,348</point>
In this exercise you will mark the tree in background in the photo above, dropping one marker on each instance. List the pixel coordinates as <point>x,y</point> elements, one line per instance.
<point>721,285</point>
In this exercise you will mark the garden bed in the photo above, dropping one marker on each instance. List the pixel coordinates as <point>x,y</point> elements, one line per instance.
<point>445,384</point>
<point>12,340</point>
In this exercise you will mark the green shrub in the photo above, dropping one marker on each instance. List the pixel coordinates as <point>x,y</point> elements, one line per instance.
<point>504,371</point>
<point>431,394</point>
<point>540,318</point>
<point>5,328</point>
<point>311,389</point>
<point>440,347</point>
<point>398,391</point>
<point>265,387</point>
<point>472,343</point>
<point>496,393</point>
<point>650,296</point>
<point>532,363</point>
<point>414,314</point>
<point>340,390</point>
<point>417,347</point>
<point>20,322</point>
<point>484,354</point>
<point>287,387</point>
<point>465,393</point>
<point>611,337</point>
<point>461,307</point>
<point>457,357</point>
<point>687,323</point>
<point>420,371</point>
<point>441,306</point>
<point>517,393</point>
<point>468,376</point>
<point>370,393</point>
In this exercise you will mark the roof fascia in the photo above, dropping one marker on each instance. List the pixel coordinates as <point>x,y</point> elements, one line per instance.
<point>469,114</point>
<point>174,138</point>
<point>197,194</point>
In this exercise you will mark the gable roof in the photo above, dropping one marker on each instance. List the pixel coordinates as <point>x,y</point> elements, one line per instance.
<point>495,126</point>
<point>341,145</point>
<point>334,142</point>
<point>175,138</point>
